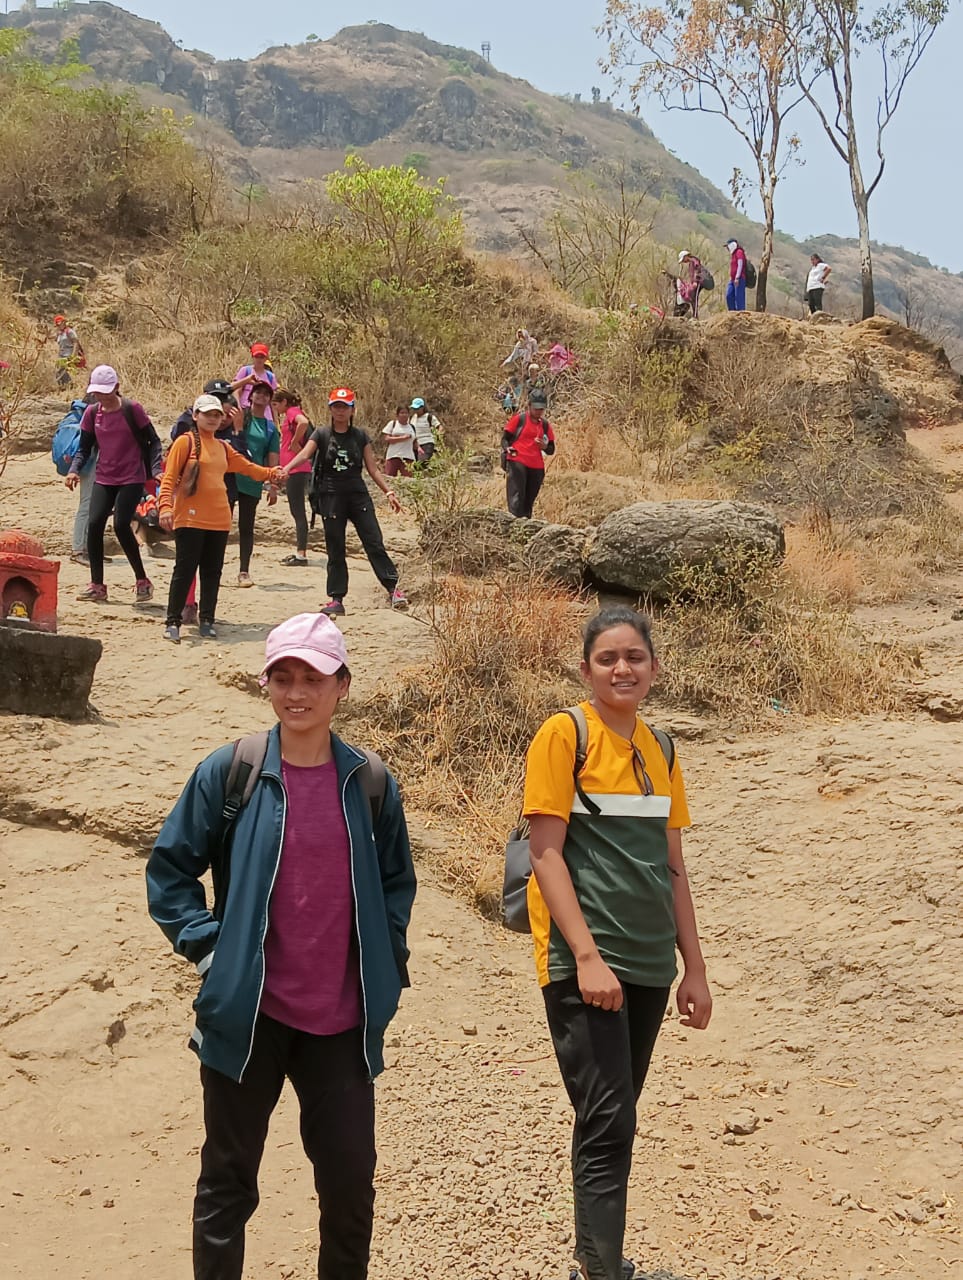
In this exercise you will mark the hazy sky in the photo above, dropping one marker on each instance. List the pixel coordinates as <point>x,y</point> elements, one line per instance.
<point>555,47</point>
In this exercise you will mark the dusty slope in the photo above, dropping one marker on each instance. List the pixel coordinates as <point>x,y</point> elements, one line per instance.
<point>827,868</point>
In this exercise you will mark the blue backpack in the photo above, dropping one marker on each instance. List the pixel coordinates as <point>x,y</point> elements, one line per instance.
<point>66,440</point>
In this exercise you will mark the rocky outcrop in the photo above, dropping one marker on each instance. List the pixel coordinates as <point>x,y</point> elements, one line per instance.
<point>557,551</point>
<point>647,548</point>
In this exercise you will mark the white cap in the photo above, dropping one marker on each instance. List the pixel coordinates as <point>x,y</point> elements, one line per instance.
<point>208,404</point>
<point>683,254</point>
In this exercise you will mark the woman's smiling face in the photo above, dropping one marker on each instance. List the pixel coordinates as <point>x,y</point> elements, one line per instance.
<point>620,668</point>
<point>303,699</point>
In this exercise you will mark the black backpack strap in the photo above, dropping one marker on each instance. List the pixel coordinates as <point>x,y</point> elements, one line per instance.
<point>374,783</point>
<point>242,777</point>
<point>577,716</point>
<point>513,439</point>
<point>668,746</point>
<point>147,439</point>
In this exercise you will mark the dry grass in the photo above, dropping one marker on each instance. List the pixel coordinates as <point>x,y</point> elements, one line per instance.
<point>777,645</point>
<point>457,732</point>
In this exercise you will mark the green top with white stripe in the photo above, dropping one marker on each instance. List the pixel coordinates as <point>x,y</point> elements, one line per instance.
<point>619,858</point>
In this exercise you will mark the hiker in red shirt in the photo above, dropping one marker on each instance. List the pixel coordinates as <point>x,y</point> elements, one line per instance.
<point>736,290</point>
<point>527,438</point>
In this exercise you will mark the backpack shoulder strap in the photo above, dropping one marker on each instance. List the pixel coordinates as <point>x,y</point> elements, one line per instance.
<point>577,716</point>
<point>668,746</point>
<point>374,782</point>
<point>246,765</point>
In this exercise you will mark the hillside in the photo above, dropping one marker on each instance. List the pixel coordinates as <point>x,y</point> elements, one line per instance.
<point>291,113</point>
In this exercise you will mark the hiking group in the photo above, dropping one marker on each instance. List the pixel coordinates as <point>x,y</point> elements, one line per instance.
<point>302,949</point>
<point>238,443</point>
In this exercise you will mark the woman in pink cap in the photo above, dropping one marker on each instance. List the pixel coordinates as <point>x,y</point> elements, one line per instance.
<point>128,458</point>
<point>302,953</point>
<point>257,371</point>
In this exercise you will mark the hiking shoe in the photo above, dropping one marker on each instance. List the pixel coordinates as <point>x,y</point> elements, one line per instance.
<point>333,609</point>
<point>143,590</point>
<point>628,1271</point>
<point>299,561</point>
<point>94,591</point>
<point>206,629</point>
<point>173,634</point>
<point>79,557</point>
<point>245,580</point>
<point>398,599</point>
<point>189,615</point>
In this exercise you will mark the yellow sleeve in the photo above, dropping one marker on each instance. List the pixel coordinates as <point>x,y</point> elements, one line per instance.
<point>679,809</point>
<point>174,465</point>
<point>549,770</point>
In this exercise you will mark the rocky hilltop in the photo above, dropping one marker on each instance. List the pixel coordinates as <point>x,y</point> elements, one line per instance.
<point>292,112</point>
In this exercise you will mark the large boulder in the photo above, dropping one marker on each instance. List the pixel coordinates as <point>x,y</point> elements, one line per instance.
<point>649,547</point>
<point>557,551</point>
<point>42,674</point>
<point>479,540</point>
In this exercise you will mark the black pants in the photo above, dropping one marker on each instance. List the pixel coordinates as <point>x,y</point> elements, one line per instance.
<point>523,485</point>
<point>336,510</point>
<point>297,491</point>
<point>122,499</point>
<point>198,551</point>
<point>337,1131</point>
<point>815,299</point>
<point>425,450</point>
<point>603,1058</point>
<point>246,511</point>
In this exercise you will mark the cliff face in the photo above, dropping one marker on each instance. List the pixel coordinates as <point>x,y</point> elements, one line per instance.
<point>367,85</point>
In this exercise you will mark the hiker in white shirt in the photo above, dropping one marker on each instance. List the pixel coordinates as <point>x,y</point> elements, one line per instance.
<point>400,454</point>
<point>426,427</point>
<point>819,273</point>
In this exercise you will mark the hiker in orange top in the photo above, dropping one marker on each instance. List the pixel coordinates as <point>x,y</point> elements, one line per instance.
<point>193,502</point>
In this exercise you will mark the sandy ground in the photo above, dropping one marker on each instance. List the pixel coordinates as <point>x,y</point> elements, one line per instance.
<point>827,870</point>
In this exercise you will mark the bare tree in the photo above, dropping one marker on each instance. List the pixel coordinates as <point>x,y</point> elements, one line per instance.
<point>725,59</point>
<point>591,246</point>
<point>827,52</point>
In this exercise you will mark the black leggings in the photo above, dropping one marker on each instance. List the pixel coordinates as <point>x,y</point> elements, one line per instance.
<point>246,511</point>
<point>603,1058</point>
<point>198,550</point>
<point>122,499</point>
<point>297,491</point>
<point>336,510</point>
<point>337,1131</point>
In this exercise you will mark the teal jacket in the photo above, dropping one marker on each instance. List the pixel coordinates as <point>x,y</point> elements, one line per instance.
<point>229,953</point>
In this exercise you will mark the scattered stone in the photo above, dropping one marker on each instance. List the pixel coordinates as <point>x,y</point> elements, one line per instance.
<point>116,1032</point>
<point>470,1029</point>
<point>761,1213</point>
<point>45,674</point>
<point>742,1123</point>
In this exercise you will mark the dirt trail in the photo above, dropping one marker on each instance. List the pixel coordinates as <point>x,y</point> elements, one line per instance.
<point>827,869</point>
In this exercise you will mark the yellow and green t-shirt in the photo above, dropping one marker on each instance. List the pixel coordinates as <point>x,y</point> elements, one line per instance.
<point>619,858</point>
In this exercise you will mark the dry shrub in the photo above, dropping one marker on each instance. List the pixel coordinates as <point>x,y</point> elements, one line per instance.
<point>771,645</point>
<point>457,731</point>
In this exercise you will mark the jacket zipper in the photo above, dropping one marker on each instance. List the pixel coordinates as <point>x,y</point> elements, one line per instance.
<point>264,927</point>
<point>357,921</point>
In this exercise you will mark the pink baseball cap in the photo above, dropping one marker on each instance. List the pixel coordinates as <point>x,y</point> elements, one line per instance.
<point>103,379</point>
<point>311,637</point>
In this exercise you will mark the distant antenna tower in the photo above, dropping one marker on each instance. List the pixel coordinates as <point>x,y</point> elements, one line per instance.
<point>487,50</point>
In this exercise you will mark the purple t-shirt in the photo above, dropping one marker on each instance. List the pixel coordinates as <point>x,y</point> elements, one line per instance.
<point>120,459</point>
<point>312,976</point>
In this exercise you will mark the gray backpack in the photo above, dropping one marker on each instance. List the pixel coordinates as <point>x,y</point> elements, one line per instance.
<point>518,861</point>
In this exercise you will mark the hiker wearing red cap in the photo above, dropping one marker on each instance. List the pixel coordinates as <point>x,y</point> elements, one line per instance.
<point>302,952</point>
<point>339,494</point>
<point>70,354</point>
<point>128,458</point>
<point>259,370</point>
